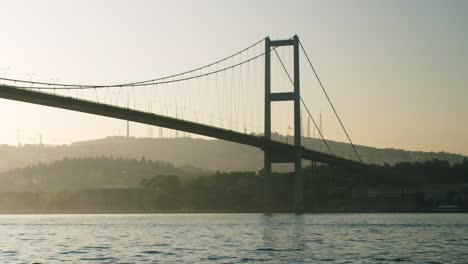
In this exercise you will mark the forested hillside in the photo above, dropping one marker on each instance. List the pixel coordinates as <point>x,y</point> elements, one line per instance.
<point>201,153</point>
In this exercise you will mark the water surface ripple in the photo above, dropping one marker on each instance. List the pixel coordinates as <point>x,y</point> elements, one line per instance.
<point>235,238</point>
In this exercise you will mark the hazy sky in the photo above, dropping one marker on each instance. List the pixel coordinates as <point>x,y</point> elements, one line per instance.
<point>397,70</point>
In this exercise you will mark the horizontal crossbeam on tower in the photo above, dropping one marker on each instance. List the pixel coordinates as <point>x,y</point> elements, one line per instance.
<point>278,43</point>
<point>281,96</point>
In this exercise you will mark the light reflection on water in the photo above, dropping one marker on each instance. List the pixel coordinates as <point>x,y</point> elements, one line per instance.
<point>235,238</point>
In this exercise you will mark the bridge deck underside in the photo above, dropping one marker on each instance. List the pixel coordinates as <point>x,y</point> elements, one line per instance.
<point>281,150</point>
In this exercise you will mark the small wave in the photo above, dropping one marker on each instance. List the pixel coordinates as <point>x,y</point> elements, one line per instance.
<point>217,258</point>
<point>277,250</point>
<point>160,245</point>
<point>95,247</point>
<point>71,252</point>
<point>152,252</point>
<point>9,252</point>
<point>400,259</point>
<point>266,249</point>
<point>156,252</point>
<point>254,260</point>
<point>98,258</point>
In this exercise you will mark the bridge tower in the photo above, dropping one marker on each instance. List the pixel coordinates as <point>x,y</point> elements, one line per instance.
<point>269,155</point>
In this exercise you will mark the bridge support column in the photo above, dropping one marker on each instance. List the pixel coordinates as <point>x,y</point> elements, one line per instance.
<point>298,197</point>
<point>268,184</point>
<point>268,181</point>
<point>288,96</point>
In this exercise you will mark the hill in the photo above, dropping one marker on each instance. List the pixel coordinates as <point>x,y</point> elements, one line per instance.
<point>201,153</point>
<point>90,173</point>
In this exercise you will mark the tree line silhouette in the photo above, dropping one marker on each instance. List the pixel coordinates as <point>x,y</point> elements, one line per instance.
<point>152,186</point>
<point>243,191</point>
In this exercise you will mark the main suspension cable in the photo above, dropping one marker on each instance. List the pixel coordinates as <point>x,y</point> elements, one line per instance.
<point>63,85</point>
<point>303,103</point>
<point>329,101</point>
<point>77,87</point>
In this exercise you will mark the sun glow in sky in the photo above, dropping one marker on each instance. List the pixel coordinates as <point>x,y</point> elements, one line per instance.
<point>396,70</point>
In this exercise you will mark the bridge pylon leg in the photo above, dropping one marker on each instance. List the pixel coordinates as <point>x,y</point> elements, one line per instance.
<point>298,183</point>
<point>268,184</point>
<point>268,181</point>
<point>298,197</point>
<point>294,96</point>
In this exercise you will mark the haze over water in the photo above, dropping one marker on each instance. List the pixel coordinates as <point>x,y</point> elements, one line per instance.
<point>235,238</point>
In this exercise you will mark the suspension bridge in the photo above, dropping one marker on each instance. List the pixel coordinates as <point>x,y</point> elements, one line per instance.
<point>230,99</point>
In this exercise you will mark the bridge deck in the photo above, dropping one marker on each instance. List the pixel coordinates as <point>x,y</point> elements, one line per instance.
<point>84,106</point>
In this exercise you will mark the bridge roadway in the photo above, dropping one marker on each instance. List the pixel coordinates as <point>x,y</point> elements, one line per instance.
<point>281,151</point>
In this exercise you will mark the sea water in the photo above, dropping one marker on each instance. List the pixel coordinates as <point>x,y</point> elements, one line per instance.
<point>234,238</point>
